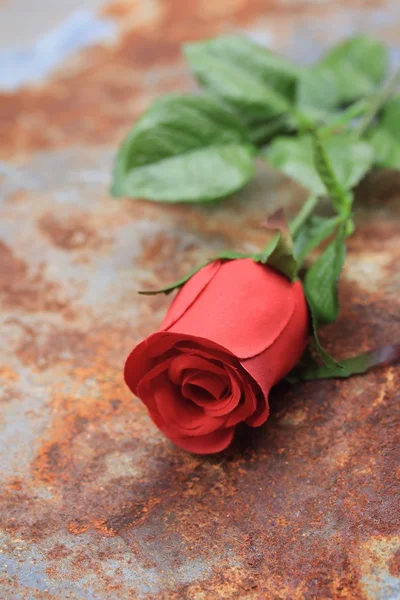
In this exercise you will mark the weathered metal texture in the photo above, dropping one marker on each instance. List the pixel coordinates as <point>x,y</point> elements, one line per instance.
<point>95,503</point>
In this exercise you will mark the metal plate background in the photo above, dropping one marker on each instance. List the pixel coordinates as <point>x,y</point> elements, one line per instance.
<point>95,503</point>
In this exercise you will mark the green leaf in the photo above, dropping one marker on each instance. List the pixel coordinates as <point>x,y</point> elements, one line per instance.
<point>359,65</point>
<point>376,103</point>
<point>355,365</point>
<point>294,157</point>
<point>385,137</point>
<point>184,149</point>
<point>342,119</point>
<point>261,132</point>
<point>227,255</point>
<point>320,284</point>
<point>257,82</point>
<point>198,176</point>
<point>387,149</point>
<point>317,93</point>
<point>312,233</point>
<point>350,159</point>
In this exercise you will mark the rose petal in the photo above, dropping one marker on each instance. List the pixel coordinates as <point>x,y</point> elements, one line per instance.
<point>243,309</point>
<point>179,414</point>
<point>197,394</point>
<point>207,350</point>
<point>247,401</point>
<point>193,362</point>
<point>144,389</point>
<point>161,342</point>
<point>214,385</point>
<point>206,444</point>
<point>271,365</point>
<point>137,364</point>
<point>261,414</point>
<point>147,395</point>
<point>226,405</point>
<point>222,408</point>
<point>189,293</point>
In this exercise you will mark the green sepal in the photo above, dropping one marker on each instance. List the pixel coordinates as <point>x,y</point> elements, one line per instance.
<point>278,254</point>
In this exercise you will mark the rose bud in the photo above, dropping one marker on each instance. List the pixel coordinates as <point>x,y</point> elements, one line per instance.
<point>231,333</point>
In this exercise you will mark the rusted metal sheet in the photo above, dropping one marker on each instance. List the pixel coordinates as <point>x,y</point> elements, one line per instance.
<point>95,503</point>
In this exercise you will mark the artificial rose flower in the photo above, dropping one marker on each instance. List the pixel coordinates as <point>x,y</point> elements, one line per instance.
<point>232,332</point>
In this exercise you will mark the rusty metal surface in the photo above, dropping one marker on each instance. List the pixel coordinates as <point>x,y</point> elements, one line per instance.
<point>95,503</point>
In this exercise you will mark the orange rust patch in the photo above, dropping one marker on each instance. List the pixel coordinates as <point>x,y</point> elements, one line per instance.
<point>85,405</point>
<point>70,233</point>
<point>15,484</point>
<point>17,197</point>
<point>64,113</point>
<point>58,552</point>
<point>96,351</point>
<point>119,8</point>
<point>31,292</point>
<point>374,235</point>
<point>23,513</point>
<point>394,564</point>
<point>78,526</point>
<point>102,527</point>
<point>162,250</point>
<point>210,9</point>
<point>80,439</point>
<point>95,98</point>
<point>8,374</point>
<point>53,461</point>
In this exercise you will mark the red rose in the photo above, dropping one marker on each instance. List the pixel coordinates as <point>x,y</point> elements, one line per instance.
<point>232,332</point>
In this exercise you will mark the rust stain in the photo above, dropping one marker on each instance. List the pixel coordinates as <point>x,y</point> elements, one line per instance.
<point>394,564</point>
<point>212,495</point>
<point>96,102</point>
<point>331,444</point>
<point>58,551</point>
<point>27,290</point>
<point>78,526</point>
<point>71,233</point>
<point>7,374</point>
